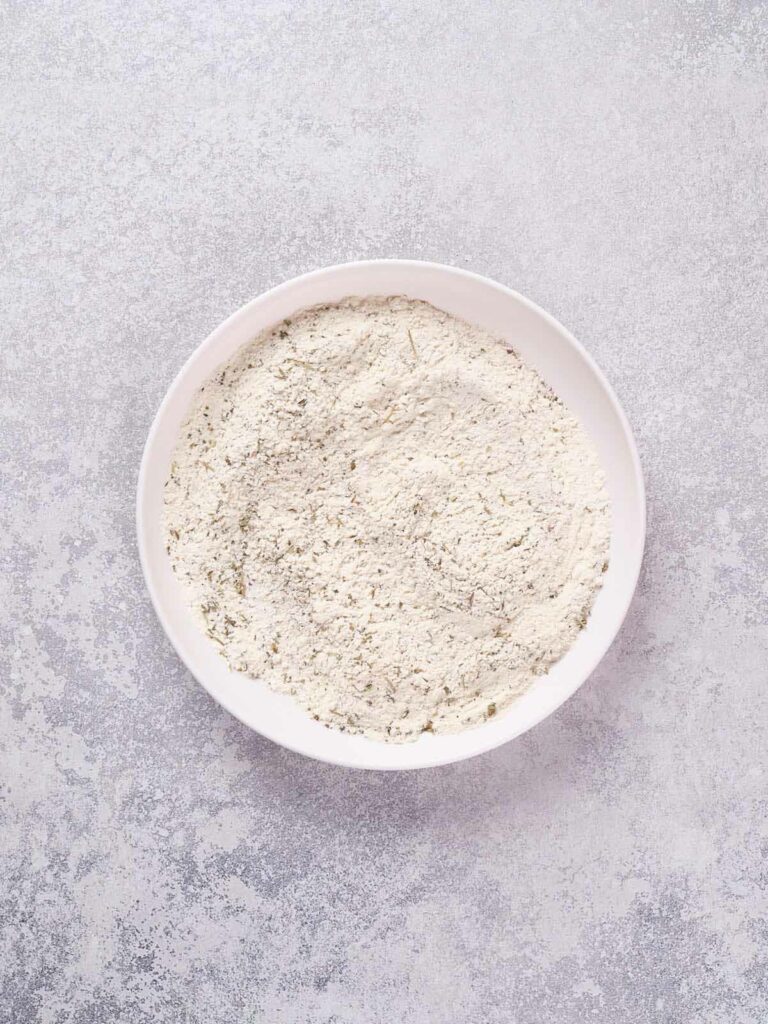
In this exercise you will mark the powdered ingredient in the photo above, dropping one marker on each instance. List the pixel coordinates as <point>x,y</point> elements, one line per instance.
<point>379,509</point>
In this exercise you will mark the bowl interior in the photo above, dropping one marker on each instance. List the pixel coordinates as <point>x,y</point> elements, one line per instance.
<point>543,344</point>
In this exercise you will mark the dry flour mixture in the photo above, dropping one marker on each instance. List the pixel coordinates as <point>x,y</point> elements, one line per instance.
<point>377,508</point>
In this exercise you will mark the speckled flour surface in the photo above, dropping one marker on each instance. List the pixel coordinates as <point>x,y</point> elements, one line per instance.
<point>376,508</point>
<point>162,164</point>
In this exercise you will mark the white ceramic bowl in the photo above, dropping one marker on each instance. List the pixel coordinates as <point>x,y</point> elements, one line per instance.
<point>542,343</point>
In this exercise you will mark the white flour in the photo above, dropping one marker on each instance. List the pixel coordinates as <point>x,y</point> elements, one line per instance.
<point>377,508</point>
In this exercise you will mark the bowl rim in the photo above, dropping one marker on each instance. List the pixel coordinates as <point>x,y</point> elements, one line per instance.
<point>244,311</point>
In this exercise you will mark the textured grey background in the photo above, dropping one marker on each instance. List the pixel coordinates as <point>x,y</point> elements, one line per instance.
<point>161,165</point>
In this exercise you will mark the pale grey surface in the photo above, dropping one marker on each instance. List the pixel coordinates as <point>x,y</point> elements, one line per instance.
<point>161,165</point>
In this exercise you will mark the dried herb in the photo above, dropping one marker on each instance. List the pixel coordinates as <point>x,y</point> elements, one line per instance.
<point>413,346</point>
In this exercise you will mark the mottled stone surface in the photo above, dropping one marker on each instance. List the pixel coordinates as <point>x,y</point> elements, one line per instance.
<point>161,165</point>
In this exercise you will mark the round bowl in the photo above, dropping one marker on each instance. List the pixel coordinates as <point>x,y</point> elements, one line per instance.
<point>542,343</point>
